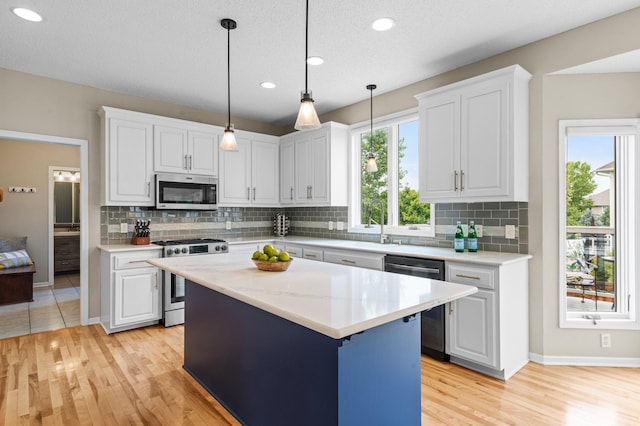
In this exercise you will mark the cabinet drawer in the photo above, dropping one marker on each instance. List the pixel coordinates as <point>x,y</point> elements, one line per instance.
<point>361,260</point>
<point>135,259</point>
<point>312,254</point>
<point>294,251</point>
<point>478,276</point>
<point>64,265</point>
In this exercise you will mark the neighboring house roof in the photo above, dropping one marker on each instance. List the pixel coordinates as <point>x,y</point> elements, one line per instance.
<point>601,198</point>
<point>605,169</point>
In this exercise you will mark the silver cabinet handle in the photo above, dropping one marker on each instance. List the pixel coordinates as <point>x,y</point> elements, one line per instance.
<point>461,180</point>
<point>292,192</point>
<point>248,193</point>
<point>351,262</point>
<point>149,189</point>
<point>455,180</point>
<point>138,261</point>
<point>190,162</point>
<point>467,276</point>
<point>310,191</point>
<point>310,255</point>
<point>186,163</point>
<point>254,193</point>
<point>450,308</point>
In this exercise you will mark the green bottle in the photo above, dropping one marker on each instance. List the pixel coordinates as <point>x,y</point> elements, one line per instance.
<point>458,241</point>
<point>472,238</point>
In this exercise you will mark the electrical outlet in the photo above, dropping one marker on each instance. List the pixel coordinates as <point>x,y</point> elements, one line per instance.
<point>124,227</point>
<point>479,231</point>
<point>510,232</point>
<point>465,229</point>
<point>605,340</point>
<point>330,225</point>
<point>340,226</point>
<point>228,225</point>
<point>31,190</point>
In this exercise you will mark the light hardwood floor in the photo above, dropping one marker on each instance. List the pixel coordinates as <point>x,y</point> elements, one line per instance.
<point>81,376</point>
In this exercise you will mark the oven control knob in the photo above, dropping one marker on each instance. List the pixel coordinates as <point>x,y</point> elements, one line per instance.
<point>224,248</point>
<point>169,252</point>
<point>185,249</point>
<point>217,248</point>
<point>176,251</point>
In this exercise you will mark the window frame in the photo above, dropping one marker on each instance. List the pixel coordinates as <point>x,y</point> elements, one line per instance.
<point>627,160</point>
<point>392,121</point>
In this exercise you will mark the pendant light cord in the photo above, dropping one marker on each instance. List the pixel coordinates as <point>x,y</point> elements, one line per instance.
<point>228,76</point>
<point>306,48</point>
<point>371,133</point>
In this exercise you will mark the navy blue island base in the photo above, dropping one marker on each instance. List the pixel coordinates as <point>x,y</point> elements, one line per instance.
<point>267,370</point>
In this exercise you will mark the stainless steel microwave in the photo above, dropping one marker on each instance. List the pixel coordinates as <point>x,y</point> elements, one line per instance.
<point>186,192</point>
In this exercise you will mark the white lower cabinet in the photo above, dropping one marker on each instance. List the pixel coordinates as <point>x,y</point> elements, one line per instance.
<point>131,290</point>
<point>489,330</point>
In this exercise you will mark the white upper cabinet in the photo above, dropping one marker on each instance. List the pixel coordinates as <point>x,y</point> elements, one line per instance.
<point>127,167</point>
<point>136,145</point>
<point>249,176</point>
<point>183,150</point>
<point>313,167</point>
<point>474,139</point>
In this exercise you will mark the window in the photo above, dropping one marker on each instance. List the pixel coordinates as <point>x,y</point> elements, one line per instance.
<point>598,248</point>
<point>391,193</point>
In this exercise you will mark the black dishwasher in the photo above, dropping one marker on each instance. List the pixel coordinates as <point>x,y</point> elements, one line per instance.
<point>432,321</point>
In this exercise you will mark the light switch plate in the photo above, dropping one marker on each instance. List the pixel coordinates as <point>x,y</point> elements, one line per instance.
<point>479,231</point>
<point>340,225</point>
<point>227,225</point>
<point>510,232</point>
<point>330,226</point>
<point>123,227</point>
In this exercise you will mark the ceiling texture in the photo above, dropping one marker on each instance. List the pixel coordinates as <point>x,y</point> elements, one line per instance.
<point>175,51</point>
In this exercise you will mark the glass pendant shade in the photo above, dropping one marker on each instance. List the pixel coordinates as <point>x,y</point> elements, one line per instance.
<point>371,164</point>
<point>228,142</point>
<point>307,116</point>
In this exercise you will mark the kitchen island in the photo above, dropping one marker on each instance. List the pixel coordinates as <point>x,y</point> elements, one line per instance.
<point>319,344</point>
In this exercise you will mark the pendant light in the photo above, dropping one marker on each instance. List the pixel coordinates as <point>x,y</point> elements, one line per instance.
<point>307,117</point>
<point>371,161</point>
<point>228,142</point>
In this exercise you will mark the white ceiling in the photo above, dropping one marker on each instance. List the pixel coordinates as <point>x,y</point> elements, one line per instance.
<point>175,51</point>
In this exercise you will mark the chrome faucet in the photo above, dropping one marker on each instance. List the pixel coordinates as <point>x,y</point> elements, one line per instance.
<point>383,237</point>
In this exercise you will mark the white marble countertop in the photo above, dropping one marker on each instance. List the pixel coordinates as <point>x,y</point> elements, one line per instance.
<point>334,300</point>
<point>447,254</point>
<point>112,248</point>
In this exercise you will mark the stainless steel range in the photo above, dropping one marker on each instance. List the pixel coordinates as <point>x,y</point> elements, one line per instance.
<point>174,284</point>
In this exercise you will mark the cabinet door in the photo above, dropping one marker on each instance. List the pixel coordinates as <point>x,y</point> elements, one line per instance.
<point>484,154</point>
<point>303,155</point>
<point>318,164</point>
<point>130,172</point>
<point>170,150</point>
<point>203,153</point>
<point>235,175</point>
<point>264,171</point>
<point>439,148</point>
<point>471,328</point>
<point>136,296</point>
<point>287,170</point>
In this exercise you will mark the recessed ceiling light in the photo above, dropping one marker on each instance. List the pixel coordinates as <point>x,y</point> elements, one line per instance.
<point>268,85</point>
<point>27,14</point>
<point>315,60</point>
<point>383,24</point>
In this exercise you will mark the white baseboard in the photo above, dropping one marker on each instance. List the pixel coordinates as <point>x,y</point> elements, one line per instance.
<point>93,320</point>
<point>41,284</point>
<point>591,361</point>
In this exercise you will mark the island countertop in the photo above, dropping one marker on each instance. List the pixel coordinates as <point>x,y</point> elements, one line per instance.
<point>335,300</point>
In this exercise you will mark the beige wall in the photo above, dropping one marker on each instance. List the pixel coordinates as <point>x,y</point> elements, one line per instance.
<point>40,105</point>
<point>591,42</point>
<point>27,165</point>
<point>33,104</point>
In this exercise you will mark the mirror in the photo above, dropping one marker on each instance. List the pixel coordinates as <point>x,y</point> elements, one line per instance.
<point>66,198</point>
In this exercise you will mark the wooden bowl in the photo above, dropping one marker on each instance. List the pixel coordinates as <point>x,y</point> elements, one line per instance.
<point>265,265</point>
